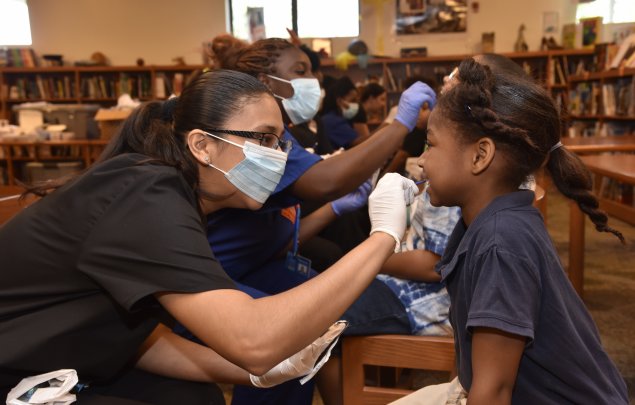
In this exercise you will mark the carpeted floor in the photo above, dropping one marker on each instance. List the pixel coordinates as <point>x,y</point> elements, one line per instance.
<point>609,282</point>
<point>609,285</point>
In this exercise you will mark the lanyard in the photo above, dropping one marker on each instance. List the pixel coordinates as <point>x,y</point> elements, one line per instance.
<point>296,231</point>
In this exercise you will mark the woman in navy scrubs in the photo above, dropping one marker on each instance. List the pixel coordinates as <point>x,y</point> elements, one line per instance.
<point>254,247</point>
<point>93,271</point>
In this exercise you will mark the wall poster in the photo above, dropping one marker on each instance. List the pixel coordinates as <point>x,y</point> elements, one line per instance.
<point>434,16</point>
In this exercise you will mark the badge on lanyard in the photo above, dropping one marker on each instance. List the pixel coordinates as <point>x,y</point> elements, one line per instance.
<point>294,262</point>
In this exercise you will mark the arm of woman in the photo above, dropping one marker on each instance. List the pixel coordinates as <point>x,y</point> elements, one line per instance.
<point>167,354</point>
<point>334,177</point>
<point>417,265</point>
<point>495,360</point>
<point>331,178</point>
<point>258,334</point>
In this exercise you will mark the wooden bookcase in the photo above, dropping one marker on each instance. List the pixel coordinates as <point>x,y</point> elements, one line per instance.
<point>602,103</point>
<point>552,68</point>
<point>88,84</point>
<point>75,85</point>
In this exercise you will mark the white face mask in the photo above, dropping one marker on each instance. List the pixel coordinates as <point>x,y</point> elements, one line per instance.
<point>305,102</point>
<point>351,111</point>
<point>259,173</point>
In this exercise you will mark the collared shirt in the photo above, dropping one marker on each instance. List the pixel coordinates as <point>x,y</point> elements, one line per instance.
<point>503,272</point>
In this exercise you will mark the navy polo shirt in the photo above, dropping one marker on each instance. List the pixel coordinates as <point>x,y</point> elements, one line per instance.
<point>503,272</point>
<point>339,130</point>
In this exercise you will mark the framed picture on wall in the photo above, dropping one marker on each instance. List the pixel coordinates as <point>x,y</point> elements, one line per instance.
<point>430,16</point>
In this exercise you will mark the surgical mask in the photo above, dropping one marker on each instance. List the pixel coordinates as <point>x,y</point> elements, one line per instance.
<point>305,102</point>
<point>351,111</point>
<point>259,173</point>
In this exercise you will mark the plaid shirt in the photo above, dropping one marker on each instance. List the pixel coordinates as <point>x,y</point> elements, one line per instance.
<point>426,304</point>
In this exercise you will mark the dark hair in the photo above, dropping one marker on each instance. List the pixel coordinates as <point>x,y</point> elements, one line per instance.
<point>313,56</point>
<point>429,80</point>
<point>158,129</point>
<point>501,64</point>
<point>259,57</point>
<point>371,90</point>
<point>339,88</point>
<point>522,119</point>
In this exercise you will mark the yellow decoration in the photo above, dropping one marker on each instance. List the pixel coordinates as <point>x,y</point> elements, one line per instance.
<point>343,59</point>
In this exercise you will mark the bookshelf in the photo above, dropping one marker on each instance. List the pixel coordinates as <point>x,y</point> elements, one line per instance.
<point>88,84</point>
<point>602,103</point>
<point>552,68</point>
<point>15,156</point>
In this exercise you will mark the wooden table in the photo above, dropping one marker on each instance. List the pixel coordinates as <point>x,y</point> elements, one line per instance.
<point>596,144</point>
<point>620,167</point>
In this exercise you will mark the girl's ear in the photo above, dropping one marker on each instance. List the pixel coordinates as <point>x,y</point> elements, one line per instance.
<point>200,145</point>
<point>484,151</point>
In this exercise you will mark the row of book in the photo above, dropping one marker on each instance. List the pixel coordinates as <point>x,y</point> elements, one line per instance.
<point>561,67</point>
<point>103,87</point>
<point>18,57</point>
<point>598,128</point>
<point>609,99</point>
<point>58,88</point>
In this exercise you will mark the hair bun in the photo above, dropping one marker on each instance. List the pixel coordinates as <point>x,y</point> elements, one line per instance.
<point>224,50</point>
<point>167,109</point>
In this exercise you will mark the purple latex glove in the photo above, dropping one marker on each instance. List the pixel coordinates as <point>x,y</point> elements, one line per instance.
<point>411,101</point>
<point>353,200</point>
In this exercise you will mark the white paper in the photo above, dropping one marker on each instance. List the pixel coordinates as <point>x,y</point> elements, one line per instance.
<point>61,382</point>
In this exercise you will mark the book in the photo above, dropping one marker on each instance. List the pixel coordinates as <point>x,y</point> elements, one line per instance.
<point>568,36</point>
<point>591,31</point>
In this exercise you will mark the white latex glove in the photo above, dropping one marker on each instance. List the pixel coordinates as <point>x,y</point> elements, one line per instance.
<point>303,363</point>
<point>387,205</point>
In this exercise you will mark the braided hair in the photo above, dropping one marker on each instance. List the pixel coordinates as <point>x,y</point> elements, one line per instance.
<point>259,57</point>
<point>523,121</point>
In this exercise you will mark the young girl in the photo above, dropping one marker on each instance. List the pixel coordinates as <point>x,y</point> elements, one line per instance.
<point>522,334</point>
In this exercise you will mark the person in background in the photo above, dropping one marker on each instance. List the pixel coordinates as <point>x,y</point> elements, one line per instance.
<point>310,134</point>
<point>407,298</point>
<point>93,269</point>
<point>254,247</point>
<point>372,103</point>
<point>339,109</point>
<point>523,335</point>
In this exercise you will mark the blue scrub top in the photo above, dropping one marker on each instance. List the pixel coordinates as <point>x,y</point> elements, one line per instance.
<point>244,241</point>
<point>339,130</point>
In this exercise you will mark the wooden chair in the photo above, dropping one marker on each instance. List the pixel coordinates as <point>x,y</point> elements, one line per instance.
<point>398,351</point>
<point>11,206</point>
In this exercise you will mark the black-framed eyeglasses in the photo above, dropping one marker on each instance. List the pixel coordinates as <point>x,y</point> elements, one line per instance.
<point>267,139</point>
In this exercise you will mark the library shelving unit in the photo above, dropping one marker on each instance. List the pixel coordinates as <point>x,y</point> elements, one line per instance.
<point>602,103</point>
<point>88,84</point>
<point>17,158</point>
<point>552,68</point>
<point>100,85</point>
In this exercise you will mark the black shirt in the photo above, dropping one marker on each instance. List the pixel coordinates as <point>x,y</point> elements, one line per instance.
<point>415,142</point>
<point>80,267</point>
